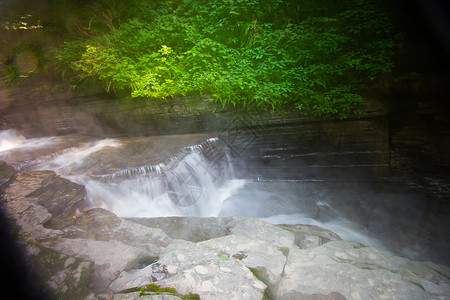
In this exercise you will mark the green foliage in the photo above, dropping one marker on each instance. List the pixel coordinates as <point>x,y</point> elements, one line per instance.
<point>223,257</point>
<point>269,54</point>
<point>154,289</point>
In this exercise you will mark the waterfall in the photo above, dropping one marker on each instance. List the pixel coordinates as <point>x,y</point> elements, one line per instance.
<point>147,177</point>
<point>194,182</point>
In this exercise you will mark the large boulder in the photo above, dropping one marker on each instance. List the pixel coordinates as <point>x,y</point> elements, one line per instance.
<point>114,245</point>
<point>197,268</point>
<point>63,276</point>
<point>102,225</point>
<point>359,272</point>
<point>202,229</point>
<point>245,257</point>
<point>188,228</point>
<point>110,258</point>
<point>333,269</point>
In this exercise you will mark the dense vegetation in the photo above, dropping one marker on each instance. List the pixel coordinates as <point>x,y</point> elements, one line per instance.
<point>314,56</point>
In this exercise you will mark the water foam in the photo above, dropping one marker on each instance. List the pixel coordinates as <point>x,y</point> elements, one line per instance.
<point>10,139</point>
<point>73,161</point>
<point>192,183</point>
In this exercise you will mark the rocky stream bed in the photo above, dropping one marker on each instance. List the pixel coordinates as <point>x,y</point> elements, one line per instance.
<point>93,254</point>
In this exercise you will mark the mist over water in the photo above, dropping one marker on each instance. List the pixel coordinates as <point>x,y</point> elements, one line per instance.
<point>187,184</point>
<point>124,176</point>
<point>10,139</point>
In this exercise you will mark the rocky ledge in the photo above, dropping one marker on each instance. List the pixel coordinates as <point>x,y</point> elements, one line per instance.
<point>93,254</point>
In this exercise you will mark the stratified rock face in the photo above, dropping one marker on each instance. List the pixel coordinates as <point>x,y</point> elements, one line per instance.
<point>95,254</point>
<point>35,198</point>
<point>7,174</point>
<point>61,198</point>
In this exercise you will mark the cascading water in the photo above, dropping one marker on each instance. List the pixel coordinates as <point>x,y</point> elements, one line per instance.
<point>10,139</point>
<point>126,176</point>
<point>188,184</point>
<point>193,182</point>
<point>196,181</point>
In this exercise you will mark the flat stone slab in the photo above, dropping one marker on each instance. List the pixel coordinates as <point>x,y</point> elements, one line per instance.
<point>110,258</point>
<point>65,276</point>
<point>359,272</point>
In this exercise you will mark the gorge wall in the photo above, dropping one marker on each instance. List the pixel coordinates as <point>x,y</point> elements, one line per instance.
<point>406,122</point>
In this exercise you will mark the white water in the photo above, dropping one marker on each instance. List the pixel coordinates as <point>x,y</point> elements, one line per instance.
<point>187,184</point>
<point>11,139</point>
<point>191,183</point>
<point>181,187</point>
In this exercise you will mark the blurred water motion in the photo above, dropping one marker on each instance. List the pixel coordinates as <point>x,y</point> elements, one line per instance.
<point>194,175</point>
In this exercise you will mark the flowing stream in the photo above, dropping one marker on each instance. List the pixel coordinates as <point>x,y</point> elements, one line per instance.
<point>159,176</point>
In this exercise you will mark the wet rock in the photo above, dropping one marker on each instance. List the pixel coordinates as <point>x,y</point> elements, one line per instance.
<point>27,182</point>
<point>260,230</point>
<point>262,254</point>
<point>196,268</point>
<point>240,255</point>
<point>41,202</point>
<point>7,174</point>
<point>62,199</point>
<point>200,268</point>
<point>359,272</point>
<point>26,212</point>
<point>181,254</point>
<point>310,236</point>
<point>295,295</point>
<point>63,276</point>
<point>102,225</point>
<point>188,228</point>
<point>225,258</point>
<point>110,258</point>
<point>214,278</point>
<point>203,229</point>
<point>159,271</point>
<point>137,296</point>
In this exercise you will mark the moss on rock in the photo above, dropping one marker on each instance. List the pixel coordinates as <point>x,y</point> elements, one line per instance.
<point>154,289</point>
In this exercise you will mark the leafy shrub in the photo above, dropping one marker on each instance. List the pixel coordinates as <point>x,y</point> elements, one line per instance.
<point>270,54</point>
